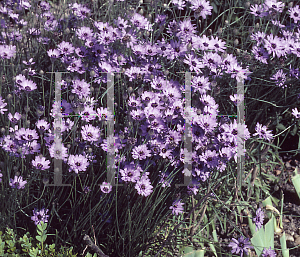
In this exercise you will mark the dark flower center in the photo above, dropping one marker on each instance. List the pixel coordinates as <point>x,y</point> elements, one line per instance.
<point>273,45</point>
<point>205,44</point>
<point>89,134</point>
<point>77,164</point>
<point>199,9</point>
<point>39,166</point>
<point>164,150</point>
<point>130,174</point>
<point>143,187</point>
<point>296,14</point>
<point>209,159</point>
<point>234,132</point>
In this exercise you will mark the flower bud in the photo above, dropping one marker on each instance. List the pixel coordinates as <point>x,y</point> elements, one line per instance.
<point>235,31</point>
<point>247,4</point>
<point>9,97</point>
<point>42,72</point>
<point>257,25</point>
<point>67,31</point>
<point>236,42</point>
<point>92,73</point>
<point>290,4</point>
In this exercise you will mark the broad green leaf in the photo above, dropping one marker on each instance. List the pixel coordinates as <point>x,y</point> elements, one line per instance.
<point>258,241</point>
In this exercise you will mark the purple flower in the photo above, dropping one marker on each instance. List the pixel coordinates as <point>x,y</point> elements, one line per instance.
<point>1,175</point>
<point>143,186</point>
<point>274,45</point>
<point>84,33</point>
<point>240,246</point>
<point>180,4</point>
<point>78,163</point>
<point>273,4</point>
<point>106,187</point>
<point>53,53</point>
<point>260,54</point>
<point>296,113</point>
<point>280,78</point>
<point>18,182</point>
<point>177,207</point>
<point>90,133</point>
<point>262,132</point>
<point>201,8</point>
<point>14,118</point>
<point>259,219</point>
<point>7,51</point>
<point>39,216</point>
<point>268,253</point>
<point>258,10</point>
<point>131,172</point>
<point>65,48</point>
<point>40,163</point>
<point>295,13</point>
<point>141,152</point>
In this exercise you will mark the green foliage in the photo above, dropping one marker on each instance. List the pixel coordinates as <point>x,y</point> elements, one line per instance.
<point>11,245</point>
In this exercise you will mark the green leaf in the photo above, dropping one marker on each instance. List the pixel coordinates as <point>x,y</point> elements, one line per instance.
<point>285,251</point>
<point>296,181</point>
<point>280,126</point>
<point>258,241</point>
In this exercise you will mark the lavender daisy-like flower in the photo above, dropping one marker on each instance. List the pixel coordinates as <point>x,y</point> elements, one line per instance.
<point>84,33</point>
<point>106,187</point>
<point>78,162</point>
<point>274,45</point>
<point>262,132</point>
<point>273,4</point>
<point>81,88</point>
<point>141,152</point>
<point>295,13</point>
<point>201,8</point>
<point>131,172</point>
<point>28,85</point>
<point>242,245</point>
<point>14,118</point>
<point>143,186</point>
<point>90,133</point>
<point>258,10</point>
<point>260,54</point>
<point>280,78</point>
<point>59,152</point>
<point>40,163</point>
<point>268,252</point>
<point>296,113</point>
<point>259,219</point>
<point>1,175</point>
<point>40,216</point>
<point>65,48</point>
<point>53,53</point>
<point>177,207</point>
<point>18,182</point>
<point>180,4</point>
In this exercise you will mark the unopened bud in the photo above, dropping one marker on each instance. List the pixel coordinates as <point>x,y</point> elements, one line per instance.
<point>92,73</point>
<point>42,72</point>
<point>247,4</point>
<point>236,42</point>
<point>257,25</point>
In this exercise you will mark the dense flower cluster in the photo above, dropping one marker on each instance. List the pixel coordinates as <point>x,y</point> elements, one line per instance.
<point>158,109</point>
